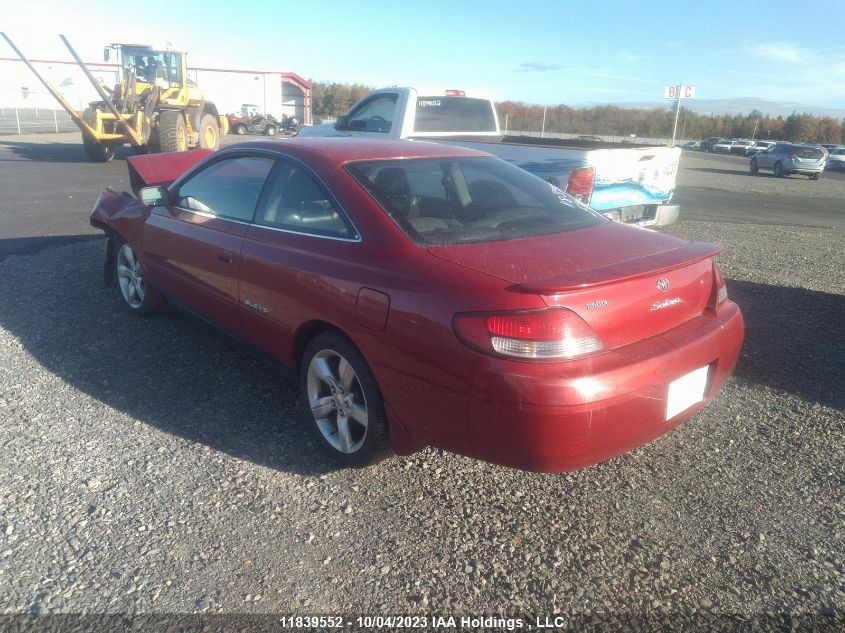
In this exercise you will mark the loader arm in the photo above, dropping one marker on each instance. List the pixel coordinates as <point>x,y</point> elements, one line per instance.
<point>74,115</point>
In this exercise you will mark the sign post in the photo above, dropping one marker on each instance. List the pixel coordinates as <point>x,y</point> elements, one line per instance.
<point>678,92</point>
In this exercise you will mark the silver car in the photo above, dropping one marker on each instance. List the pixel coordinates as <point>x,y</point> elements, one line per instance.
<point>789,158</point>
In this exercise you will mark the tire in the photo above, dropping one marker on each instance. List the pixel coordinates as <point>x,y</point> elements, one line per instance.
<point>129,279</point>
<point>173,133</point>
<point>778,170</point>
<point>209,132</point>
<point>754,168</point>
<point>97,152</point>
<point>270,130</point>
<point>815,176</point>
<point>239,129</point>
<point>339,392</point>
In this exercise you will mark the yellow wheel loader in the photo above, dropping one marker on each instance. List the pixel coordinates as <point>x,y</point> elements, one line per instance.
<point>154,107</point>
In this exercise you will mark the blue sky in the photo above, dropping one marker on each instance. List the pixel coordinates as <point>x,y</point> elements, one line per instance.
<point>535,51</point>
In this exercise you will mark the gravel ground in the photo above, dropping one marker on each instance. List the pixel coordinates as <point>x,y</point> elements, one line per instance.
<point>733,174</point>
<point>152,466</point>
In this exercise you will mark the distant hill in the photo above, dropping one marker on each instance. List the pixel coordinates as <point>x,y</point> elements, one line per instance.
<point>740,105</point>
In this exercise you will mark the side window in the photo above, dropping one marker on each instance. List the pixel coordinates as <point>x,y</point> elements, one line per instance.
<point>295,201</point>
<point>228,188</point>
<point>374,115</point>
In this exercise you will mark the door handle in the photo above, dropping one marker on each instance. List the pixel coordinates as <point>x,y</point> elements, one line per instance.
<point>224,258</point>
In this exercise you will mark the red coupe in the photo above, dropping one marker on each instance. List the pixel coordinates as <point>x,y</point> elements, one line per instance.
<point>428,295</point>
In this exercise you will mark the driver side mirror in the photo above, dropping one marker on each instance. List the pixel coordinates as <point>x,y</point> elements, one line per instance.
<point>342,122</point>
<point>154,196</point>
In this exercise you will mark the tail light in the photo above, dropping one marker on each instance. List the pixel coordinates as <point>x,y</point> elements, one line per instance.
<point>720,290</point>
<point>580,184</point>
<point>547,334</point>
<point>456,93</point>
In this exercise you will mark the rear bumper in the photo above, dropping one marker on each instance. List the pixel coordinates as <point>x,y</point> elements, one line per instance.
<point>649,215</point>
<point>553,418</point>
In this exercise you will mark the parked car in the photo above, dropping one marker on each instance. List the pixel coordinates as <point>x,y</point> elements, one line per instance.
<point>724,146</point>
<point>740,147</point>
<point>426,294</point>
<point>759,146</point>
<point>708,143</point>
<point>788,158</point>
<point>692,145</point>
<point>836,160</point>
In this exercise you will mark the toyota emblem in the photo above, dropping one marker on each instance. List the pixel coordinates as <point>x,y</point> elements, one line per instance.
<point>663,284</point>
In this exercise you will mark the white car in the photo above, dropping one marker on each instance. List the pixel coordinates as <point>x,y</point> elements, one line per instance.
<point>836,160</point>
<point>759,146</point>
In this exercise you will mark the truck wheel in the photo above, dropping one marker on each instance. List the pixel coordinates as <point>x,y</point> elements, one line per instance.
<point>209,133</point>
<point>270,130</point>
<point>239,129</point>
<point>778,170</point>
<point>173,133</point>
<point>97,152</point>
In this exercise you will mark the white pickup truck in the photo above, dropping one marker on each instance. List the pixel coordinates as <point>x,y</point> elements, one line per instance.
<point>629,183</point>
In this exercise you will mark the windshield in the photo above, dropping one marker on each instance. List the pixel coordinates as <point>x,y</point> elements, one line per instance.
<point>454,114</point>
<point>438,202</point>
<point>151,66</point>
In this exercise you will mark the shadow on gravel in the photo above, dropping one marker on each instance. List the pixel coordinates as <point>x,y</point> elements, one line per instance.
<point>30,245</point>
<point>727,172</point>
<point>54,152</point>
<point>793,340</point>
<point>169,371</point>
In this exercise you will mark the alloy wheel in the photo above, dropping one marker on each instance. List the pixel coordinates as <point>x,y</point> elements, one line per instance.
<point>337,401</point>
<point>130,277</point>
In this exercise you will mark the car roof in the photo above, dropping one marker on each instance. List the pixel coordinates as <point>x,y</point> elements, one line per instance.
<point>344,149</point>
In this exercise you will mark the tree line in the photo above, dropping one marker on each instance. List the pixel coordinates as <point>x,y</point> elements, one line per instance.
<point>333,99</point>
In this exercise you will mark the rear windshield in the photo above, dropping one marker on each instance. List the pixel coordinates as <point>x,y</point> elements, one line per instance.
<point>438,202</point>
<point>454,114</point>
<point>809,152</point>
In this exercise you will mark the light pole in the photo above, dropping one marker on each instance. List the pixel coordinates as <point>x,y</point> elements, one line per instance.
<point>677,112</point>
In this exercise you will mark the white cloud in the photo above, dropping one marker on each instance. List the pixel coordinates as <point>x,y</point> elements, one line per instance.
<point>781,52</point>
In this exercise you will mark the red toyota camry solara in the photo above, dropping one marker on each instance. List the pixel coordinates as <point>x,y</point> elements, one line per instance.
<point>429,295</point>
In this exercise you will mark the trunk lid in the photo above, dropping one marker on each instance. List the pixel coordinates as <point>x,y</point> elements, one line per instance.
<point>626,283</point>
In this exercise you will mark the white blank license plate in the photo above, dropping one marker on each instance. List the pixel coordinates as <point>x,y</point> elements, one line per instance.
<point>686,391</point>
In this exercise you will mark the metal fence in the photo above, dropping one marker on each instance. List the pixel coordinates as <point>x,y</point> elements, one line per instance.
<point>15,120</point>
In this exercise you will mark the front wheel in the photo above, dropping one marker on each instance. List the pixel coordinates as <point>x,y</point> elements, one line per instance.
<point>270,130</point>
<point>342,400</point>
<point>239,129</point>
<point>754,168</point>
<point>97,152</point>
<point>173,133</point>
<point>130,279</point>
<point>778,170</point>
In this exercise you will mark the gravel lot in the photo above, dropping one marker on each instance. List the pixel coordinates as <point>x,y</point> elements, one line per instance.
<point>152,465</point>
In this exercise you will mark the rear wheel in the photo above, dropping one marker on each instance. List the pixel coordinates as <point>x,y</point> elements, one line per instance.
<point>209,133</point>
<point>173,133</point>
<point>778,170</point>
<point>342,400</point>
<point>815,176</point>
<point>754,168</point>
<point>239,129</point>
<point>130,278</point>
<point>270,130</point>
